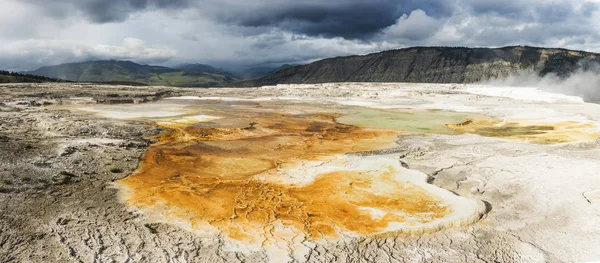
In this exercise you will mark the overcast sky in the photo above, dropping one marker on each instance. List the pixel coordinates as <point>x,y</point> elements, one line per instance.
<point>35,33</point>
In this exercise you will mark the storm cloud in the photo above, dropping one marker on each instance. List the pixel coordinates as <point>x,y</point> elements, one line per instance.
<point>229,32</point>
<point>103,11</point>
<point>350,19</point>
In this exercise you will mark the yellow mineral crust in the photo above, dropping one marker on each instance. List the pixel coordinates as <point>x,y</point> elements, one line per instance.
<point>532,131</point>
<point>232,175</point>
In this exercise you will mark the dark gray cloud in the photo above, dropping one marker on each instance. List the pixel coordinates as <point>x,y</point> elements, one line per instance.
<point>344,18</point>
<point>104,11</point>
<point>273,31</point>
<point>546,23</point>
<point>351,19</point>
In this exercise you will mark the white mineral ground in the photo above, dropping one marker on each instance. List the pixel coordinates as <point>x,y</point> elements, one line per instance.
<point>547,196</point>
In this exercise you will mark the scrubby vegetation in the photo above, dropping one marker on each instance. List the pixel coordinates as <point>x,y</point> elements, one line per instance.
<point>15,77</point>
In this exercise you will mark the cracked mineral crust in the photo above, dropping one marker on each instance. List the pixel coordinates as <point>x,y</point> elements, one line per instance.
<point>334,172</point>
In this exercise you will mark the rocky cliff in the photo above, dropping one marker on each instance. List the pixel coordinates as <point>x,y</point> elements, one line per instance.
<point>434,65</point>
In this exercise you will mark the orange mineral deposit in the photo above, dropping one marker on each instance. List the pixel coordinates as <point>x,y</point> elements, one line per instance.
<point>214,173</point>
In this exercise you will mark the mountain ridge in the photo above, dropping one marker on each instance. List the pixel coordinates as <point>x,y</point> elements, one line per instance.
<point>128,71</point>
<point>432,65</point>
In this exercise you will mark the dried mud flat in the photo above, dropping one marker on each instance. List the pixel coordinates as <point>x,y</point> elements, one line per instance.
<point>534,164</point>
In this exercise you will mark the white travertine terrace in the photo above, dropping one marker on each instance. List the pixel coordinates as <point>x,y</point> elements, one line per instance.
<point>544,195</point>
